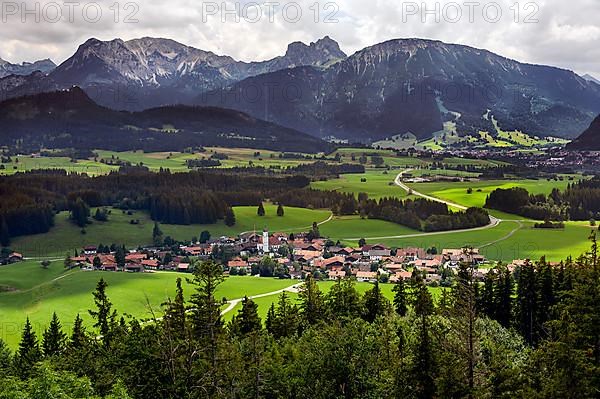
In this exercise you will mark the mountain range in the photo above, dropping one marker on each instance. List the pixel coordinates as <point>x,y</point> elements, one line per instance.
<point>71,119</point>
<point>400,86</point>
<point>26,68</point>
<point>148,72</point>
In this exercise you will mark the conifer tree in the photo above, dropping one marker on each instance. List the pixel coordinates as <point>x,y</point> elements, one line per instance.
<point>104,316</point>
<point>54,339</point>
<point>527,302</point>
<point>247,320</point>
<point>343,300</point>
<point>174,318</point>
<point>78,336</point>
<point>424,364</point>
<point>400,298</point>
<point>286,319</point>
<point>261,210</point>
<point>28,353</point>
<point>375,303</point>
<point>5,358</point>
<point>311,301</point>
<point>229,217</point>
<point>205,312</point>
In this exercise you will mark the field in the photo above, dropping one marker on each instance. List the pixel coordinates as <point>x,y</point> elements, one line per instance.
<point>39,292</point>
<point>264,303</point>
<point>379,183</point>
<point>65,236</point>
<point>174,161</point>
<point>457,191</point>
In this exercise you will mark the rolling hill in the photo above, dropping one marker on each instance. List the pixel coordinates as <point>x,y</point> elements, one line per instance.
<point>70,118</point>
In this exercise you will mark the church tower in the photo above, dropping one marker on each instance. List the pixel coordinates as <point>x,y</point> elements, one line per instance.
<point>265,242</point>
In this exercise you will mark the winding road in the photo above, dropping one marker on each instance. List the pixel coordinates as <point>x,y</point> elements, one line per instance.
<point>494,222</point>
<point>233,303</point>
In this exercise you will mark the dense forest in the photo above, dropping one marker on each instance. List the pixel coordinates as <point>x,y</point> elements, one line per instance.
<point>534,333</point>
<point>580,201</point>
<point>422,214</point>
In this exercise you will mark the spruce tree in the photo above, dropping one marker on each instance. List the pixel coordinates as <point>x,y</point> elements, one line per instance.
<point>400,298</point>
<point>527,302</point>
<point>261,210</point>
<point>247,320</point>
<point>311,301</point>
<point>270,320</point>
<point>5,359</point>
<point>157,235</point>
<point>503,297</point>
<point>54,339</point>
<point>375,304</point>
<point>78,336</point>
<point>174,317</point>
<point>28,353</point>
<point>424,364</point>
<point>104,316</point>
<point>286,320</point>
<point>229,217</point>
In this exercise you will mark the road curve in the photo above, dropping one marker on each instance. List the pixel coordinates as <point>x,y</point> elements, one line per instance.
<point>494,222</point>
<point>398,181</point>
<point>233,303</point>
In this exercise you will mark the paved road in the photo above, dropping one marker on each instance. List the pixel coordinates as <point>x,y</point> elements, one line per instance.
<point>233,303</point>
<point>494,222</point>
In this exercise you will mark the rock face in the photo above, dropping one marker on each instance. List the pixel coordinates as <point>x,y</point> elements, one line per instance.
<point>149,72</point>
<point>589,139</point>
<point>26,68</point>
<point>414,85</point>
<point>71,119</point>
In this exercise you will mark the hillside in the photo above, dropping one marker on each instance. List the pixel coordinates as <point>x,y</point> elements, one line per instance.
<point>69,118</point>
<point>415,86</point>
<point>589,139</point>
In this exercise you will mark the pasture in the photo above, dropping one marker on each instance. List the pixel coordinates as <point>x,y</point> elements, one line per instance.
<point>34,292</point>
<point>66,236</point>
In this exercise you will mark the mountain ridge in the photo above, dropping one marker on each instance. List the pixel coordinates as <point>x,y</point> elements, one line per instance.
<point>71,119</point>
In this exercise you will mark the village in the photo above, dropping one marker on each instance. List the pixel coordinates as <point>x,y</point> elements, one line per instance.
<point>291,257</point>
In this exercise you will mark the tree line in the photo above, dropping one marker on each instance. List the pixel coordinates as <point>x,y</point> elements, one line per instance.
<point>580,201</point>
<point>422,214</point>
<point>531,334</point>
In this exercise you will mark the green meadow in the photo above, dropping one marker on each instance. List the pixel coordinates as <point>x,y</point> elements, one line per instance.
<point>379,183</point>
<point>31,291</point>
<point>264,303</point>
<point>457,191</point>
<point>65,236</point>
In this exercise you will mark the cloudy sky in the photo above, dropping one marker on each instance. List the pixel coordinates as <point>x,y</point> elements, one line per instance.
<point>559,33</point>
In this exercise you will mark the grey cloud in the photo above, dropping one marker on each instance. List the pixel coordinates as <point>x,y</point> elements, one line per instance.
<point>566,35</point>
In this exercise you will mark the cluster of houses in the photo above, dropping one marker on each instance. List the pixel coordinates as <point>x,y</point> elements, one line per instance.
<point>297,255</point>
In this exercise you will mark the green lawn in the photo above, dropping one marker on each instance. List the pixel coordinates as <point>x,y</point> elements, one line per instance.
<point>65,236</point>
<point>41,292</point>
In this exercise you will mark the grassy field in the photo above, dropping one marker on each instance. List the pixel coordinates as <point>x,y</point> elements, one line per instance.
<point>343,228</point>
<point>38,292</point>
<point>65,236</point>
<point>264,303</point>
<point>175,161</point>
<point>378,184</point>
<point>457,191</point>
